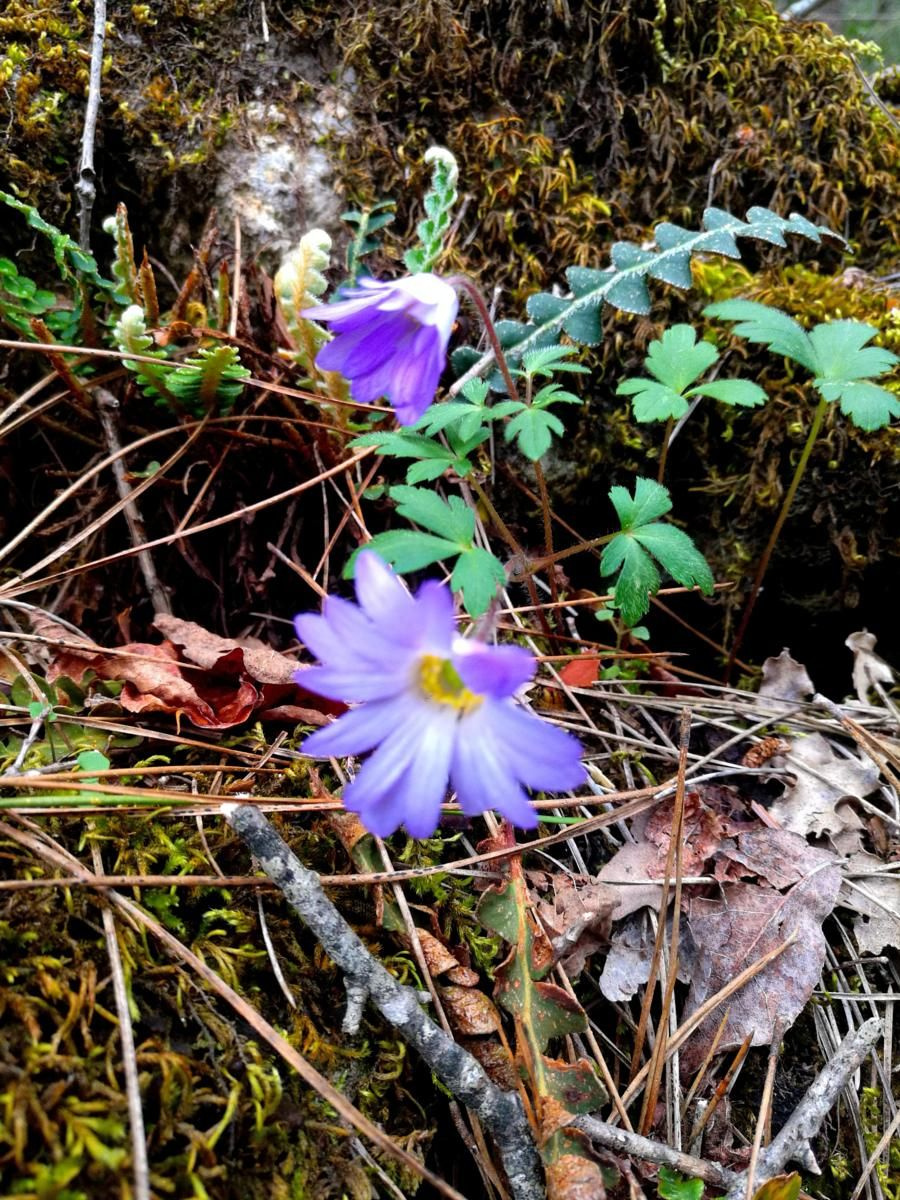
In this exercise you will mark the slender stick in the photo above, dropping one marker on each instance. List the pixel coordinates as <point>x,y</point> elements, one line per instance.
<point>501,1112</point>
<point>86,186</point>
<point>799,472</point>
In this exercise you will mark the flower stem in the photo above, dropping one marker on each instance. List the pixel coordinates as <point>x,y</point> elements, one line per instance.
<point>763,565</point>
<point>483,311</point>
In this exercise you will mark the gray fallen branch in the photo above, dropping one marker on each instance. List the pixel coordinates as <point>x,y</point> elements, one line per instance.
<point>791,1141</point>
<point>86,186</point>
<point>611,1137</point>
<point>805,1121</point>
<point>500,1112</point>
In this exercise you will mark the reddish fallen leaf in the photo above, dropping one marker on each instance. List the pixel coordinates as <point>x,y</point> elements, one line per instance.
<point>572,1177</point>
<point>471,1013</point>
<point>217,692</point>
<point>703,831</point>
<point>730,932</point>
<point>581,671</point>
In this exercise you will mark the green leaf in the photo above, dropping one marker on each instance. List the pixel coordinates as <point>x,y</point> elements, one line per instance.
<point>673,1186</point>
<point>401,445</point>
<point>534,428</point>
<point>769,326</point>
<point>477,575</point>
<point>407,550</point>
<point>678,555</point>
<point>92,760</point>
<point>653,401</point>
<point>677,358</point>
<point>638,579</point>
<point>641,536</point>
<point>841,351</point>
<point>866,404</point>
<point>451,519</point>
<point>743,392</point>
<point>650,501</point>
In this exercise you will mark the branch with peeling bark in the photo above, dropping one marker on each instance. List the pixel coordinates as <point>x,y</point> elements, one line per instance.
<point>791,1141</point>
<point>500,1112</point>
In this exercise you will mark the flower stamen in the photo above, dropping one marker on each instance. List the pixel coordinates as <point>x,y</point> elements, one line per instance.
<point>440,682</point>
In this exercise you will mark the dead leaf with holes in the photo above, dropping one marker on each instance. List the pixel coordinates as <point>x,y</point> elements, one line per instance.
<point>822,781</point>
<point>727,933</point>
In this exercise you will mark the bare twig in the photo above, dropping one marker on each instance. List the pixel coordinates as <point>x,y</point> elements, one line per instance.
<point>623,1142</point>
<point>812,1110</point>
<point>107,409</point>
<point>501,1112</point>
<point>765,1110</point>
<point>86,187</point>
<point>140,1167</point>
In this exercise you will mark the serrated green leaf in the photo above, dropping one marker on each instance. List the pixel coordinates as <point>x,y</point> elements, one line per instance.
<point>674,1186</point>
<point>769,326</point>
<point>841,351</point>
<point>653,401</point>
<point>402,445</point>
<point>451,519</point>
<point>677,358</point>
<point>674,549</point>
<point>866,404</point>
<point>427,470</point>
<point>742,392</point>
<point>408,549</point>
<point>477,575</point>
<point>534,429</point>
<point>650,501</point>
<point>638,577</point>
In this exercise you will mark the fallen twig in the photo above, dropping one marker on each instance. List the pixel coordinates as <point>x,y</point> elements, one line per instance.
<point>803,1124</point>
<point>636,1146</point>
<point>501,1112</point>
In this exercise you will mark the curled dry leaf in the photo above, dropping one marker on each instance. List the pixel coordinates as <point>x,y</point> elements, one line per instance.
<point>577,916</point>
<point>779,857</point>
<point>703,831</point>
<point>874,894</point>
<point>470,1012</point>
<point>627,966</point>
<point>572,1177</point>
<point>822,781</point>
<point>732,931</point>
<point>785,679</point>
<point>868,668</point>
<point>216,693</point>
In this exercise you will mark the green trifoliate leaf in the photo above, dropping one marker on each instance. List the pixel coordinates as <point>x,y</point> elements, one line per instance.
<point>641,536</point>
<point>769,326</point>
<point>677,358</point>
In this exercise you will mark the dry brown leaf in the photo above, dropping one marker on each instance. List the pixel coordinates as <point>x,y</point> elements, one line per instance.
<point>785,679</point>
<point>632,873</point>
<point>260,662</point>
<point>572,1177</point>
<point>703,831</point>
<point>213,691</point>
<point>875,897</point>
<point>437,957</point>
<point>868,668</point>
<point>577,916</point>
<point>471,1013</point>
<point>627,965</point>
<point>822,781</point>
<point>779,857</point>
<point>729,933</point>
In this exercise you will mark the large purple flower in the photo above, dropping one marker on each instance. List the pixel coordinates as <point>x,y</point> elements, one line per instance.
<point>391,340</point>
<point>436,708</point>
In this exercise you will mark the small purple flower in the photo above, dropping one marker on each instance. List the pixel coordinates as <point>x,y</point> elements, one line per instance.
<point>391,340</point>
<point>435,708</point>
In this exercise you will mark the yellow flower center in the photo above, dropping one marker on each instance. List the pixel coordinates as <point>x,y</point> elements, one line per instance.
<point>440,682</point>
